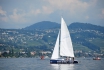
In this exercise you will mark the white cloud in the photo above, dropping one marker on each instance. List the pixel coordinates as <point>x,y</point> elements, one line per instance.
<point>17,16</point>
<point>4,19</point>
<point>69,5</point>
<point>3,16</point>
<point>35,12</point>
<point>2,12</point>
<point>101,15</point>
<point>46,10</point>
<point>86,17</point>
<point>102,11</point>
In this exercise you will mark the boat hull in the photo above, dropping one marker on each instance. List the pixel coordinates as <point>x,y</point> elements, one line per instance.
<point>96,58</point>
<point>62,62</point>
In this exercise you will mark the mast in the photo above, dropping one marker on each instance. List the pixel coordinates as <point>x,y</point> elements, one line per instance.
<point>59,41</point>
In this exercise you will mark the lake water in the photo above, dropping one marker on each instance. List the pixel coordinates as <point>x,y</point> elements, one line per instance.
<point>37,64</point>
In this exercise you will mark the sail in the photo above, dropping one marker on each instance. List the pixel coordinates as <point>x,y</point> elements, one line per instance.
<point>66,48</point>
<point>55,54</point>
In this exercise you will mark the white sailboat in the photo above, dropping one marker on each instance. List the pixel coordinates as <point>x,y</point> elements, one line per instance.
<point>63,46</point>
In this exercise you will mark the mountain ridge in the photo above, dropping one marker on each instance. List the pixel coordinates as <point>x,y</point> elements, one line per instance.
<point>75,25</point>
<point>43,25</point>
<point>86,26</point>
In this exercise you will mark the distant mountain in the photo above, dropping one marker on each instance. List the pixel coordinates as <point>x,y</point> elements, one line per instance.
<point>85,26</point>
<point>81,33</point>
<point>43,25</point>
<point>84,36</point>
<point>76,25</point>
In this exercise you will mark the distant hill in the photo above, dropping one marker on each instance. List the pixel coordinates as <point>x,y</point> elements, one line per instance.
<point>85,26</point>
<point>74,26</point>
<point>81,33</point>
<point>85,36</point>
<point>43,25</point>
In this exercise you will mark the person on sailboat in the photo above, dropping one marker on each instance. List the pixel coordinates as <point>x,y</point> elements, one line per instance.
<point>67,59</point>
<point>70,60</point>
<point>73,59</point>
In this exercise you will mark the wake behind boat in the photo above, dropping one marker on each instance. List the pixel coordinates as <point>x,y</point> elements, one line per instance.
<point>63,50</point>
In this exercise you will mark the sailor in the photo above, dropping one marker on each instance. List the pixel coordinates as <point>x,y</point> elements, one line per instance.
<point>73,59</point>
<point>70,60</point>
<point>67,59</point>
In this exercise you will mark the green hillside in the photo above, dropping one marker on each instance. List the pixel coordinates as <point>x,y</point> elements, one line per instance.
<point>86,38</point>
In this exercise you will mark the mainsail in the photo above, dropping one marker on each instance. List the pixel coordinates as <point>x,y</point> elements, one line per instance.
<point>66,48</point>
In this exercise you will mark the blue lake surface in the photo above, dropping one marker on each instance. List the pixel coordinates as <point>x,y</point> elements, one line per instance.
<point>37,64</point>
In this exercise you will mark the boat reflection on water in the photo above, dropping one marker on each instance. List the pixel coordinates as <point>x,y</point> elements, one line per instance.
<point>63,66</point>
<point>55,66</point>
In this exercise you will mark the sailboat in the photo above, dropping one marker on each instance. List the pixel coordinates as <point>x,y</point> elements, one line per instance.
<point>63,47</point>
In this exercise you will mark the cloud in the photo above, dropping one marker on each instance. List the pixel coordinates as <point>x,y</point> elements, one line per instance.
<point>86,17</point>
<point>18,16</point>
<point>2,12</point>
<point>102,14</point>
<point>4,19</point>
<point>3,16</point>
<point>102,11</point>
<point>46,10</point>
<point>35,12</point>
<point>69,5</point>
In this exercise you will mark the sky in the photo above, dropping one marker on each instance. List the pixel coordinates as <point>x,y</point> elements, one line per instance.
<point>22,13</point>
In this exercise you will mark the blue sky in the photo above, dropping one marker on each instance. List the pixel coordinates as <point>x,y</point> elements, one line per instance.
<point>22,13</point>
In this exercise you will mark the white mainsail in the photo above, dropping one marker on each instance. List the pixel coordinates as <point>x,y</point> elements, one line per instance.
<point>66,48</point>
<point>55,54</point>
